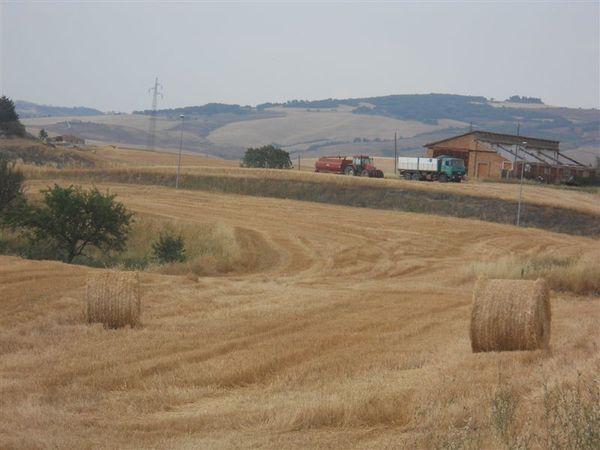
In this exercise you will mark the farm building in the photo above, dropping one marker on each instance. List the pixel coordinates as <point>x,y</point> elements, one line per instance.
<point>495,155</point>
<point>71,139</point>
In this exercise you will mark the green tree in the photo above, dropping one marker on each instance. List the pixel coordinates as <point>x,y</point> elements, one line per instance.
<point>11,191</point>
<point>75,219</point>
<point>169,248</point>
<point>43,134</point>
<point>267,156</point>
<point>9,119</point>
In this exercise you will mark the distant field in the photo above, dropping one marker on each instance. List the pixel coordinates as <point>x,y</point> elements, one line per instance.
<point>301,128</point>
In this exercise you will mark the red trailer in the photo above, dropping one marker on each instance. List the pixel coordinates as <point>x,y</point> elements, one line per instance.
<point>357,165</point>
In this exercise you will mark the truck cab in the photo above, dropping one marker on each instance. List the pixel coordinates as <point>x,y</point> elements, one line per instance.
<point>452,168</point>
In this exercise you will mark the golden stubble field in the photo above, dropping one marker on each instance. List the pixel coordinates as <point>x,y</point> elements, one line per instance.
<point>348,330</point>
<point>109,158</point>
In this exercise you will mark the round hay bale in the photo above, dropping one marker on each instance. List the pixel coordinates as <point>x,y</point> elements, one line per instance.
<point>510,315</point>
<point>113,299</point>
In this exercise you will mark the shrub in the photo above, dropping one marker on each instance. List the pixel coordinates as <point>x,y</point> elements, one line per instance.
<point>11,190</point>
<point>75,219</point>
<point>9,119</point>
<point>169,248</point>
<point>268,157</point>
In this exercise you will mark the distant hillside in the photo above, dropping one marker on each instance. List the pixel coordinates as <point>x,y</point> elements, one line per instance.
<point>28,110</point>
<point>205,110</point>
<point>331,126</point>
<point>573,127</point>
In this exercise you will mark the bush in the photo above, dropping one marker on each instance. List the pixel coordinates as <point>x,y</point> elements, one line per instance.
<point>75,219</point>
<point>169,248</point>
<point>9,119</point>
<point>267,157</point>
<point>11,190</point>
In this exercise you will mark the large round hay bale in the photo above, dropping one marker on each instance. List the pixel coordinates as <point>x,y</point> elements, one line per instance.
<point>510,315</point>
<point>113,299</point>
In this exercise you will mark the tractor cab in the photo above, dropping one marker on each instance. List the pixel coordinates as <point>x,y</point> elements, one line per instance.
<point>362,162</point>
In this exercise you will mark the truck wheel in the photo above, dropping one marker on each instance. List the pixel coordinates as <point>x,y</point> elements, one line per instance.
<point>416,176</point>
<point>407,175</point>
<point>349,171</point>
<point>364,173</point>
<point>443,178</point>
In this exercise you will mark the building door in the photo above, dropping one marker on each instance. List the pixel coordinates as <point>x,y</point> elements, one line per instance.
<point>483,169</point>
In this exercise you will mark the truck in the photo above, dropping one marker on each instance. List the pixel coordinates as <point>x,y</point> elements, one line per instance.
<point>443,168</point>
<point>357,165</point>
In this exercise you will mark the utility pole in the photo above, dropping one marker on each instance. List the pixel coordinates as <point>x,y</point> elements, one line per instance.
<point>179,158</point>
<point>521,185</point>
<point>395,153</point>
<point>156,91</point>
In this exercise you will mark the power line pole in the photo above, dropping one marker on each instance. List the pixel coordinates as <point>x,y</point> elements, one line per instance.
<point>395,153</point>
<point>156,91</point>
<point>521,184</point>
<point>179,158</point>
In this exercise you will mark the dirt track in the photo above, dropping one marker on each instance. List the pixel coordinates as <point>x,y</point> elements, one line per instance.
<point>352,332</point>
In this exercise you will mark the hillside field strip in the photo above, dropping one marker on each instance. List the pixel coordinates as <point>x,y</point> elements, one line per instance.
<point>163,163</point>
<point>344,328</point>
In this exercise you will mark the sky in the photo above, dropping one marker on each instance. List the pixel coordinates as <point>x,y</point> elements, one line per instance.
<point>106,55</point>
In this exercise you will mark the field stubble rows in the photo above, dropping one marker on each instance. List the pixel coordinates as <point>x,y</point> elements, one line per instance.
<point>353,332</point>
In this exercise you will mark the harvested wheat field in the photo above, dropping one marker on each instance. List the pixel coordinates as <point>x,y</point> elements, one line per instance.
<point>345,328</point>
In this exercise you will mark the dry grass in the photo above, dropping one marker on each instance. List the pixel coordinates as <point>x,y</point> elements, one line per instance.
<point>350,191</point>
<point>211,248</point>
<point>113,299</point>
<point>578,274</point>
<point>350,332</point>
<point>510,315</point>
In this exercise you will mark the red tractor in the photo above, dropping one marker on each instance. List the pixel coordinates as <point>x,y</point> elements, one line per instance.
<point>357,165</point>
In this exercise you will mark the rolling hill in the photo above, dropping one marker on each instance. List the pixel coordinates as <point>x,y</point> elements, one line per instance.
<point>338,126</point>
<point>28,110</point>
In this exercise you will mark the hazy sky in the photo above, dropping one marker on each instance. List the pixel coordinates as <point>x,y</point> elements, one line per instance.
<point>107,54</point>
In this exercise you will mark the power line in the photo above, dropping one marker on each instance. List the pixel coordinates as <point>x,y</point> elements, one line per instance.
<point>156,91</point>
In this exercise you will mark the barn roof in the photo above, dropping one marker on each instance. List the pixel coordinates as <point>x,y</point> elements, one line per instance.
<point>506,139</point>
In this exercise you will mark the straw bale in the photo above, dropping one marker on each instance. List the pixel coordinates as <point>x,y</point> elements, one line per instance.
<point>113,299</point>
<point>510,315</point>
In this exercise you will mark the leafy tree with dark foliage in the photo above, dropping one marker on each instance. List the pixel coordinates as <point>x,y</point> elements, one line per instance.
<point>268,157</point>
<point>11,191</point>
<point>169,248</point>
<point>75,219</point>
<point>9,119</point>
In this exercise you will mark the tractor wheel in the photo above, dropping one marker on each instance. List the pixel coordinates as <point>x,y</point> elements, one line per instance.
<point>416,176</point>
<point>349,171</point>
<point>443,178</point>
<point>364,173</point>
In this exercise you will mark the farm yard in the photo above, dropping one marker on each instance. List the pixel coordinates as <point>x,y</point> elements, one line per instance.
<point>329,327</point>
